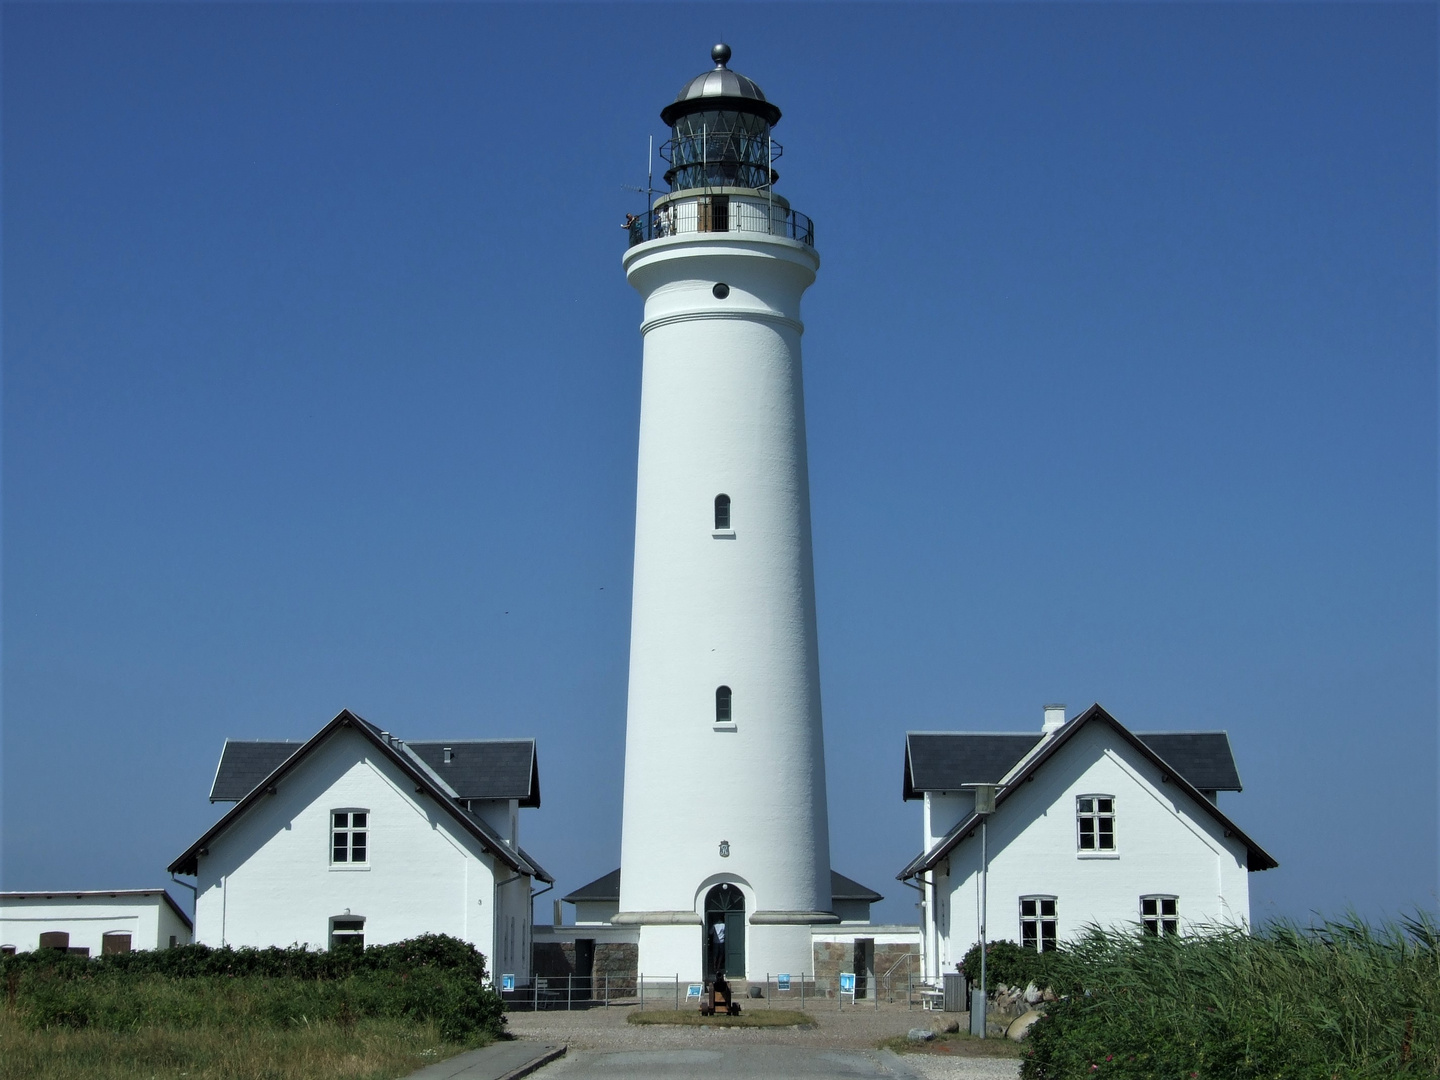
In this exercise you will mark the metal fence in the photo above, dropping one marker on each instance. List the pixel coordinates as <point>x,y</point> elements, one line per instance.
<point>808,992</point>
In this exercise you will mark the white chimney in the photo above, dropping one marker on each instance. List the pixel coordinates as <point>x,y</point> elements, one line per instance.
<point>1054,718</point>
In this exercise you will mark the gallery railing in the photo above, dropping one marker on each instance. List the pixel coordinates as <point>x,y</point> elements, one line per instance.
<point>698,216</point>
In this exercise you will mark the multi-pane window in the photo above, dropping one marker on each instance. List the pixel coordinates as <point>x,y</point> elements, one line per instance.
<point>348,836</point>
<point>347,934</point>
<point>1095,815</point>
<point>1160,915</point>
<point>722,511</point>
<point>1037,923</point>
<point>723,713</point>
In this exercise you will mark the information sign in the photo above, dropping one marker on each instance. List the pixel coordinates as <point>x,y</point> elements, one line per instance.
<point>507,983</point>
<point>782,982</point>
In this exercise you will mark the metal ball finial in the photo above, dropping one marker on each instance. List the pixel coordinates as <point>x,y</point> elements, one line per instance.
<point>720,54</point>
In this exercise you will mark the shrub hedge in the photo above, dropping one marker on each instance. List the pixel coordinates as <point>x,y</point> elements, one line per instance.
<point>1007,964</point>
<point>432,978</point>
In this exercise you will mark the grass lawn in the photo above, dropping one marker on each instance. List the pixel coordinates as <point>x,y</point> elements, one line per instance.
<point>760,1018</point>
<point>363,1050</point>
<point>961,1044</point>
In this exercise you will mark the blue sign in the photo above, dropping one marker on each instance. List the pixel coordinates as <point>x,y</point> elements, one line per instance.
<point>782,982</point>
<point>693,991</point>
<point>847,983</point>
<point>507,983</point>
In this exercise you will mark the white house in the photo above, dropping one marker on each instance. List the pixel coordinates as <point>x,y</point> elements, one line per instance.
<point>1093,824</point>
<point>92,922</point>
<point>357,837</point>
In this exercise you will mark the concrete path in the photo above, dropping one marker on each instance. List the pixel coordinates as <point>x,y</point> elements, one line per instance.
<point>498,1061</point>
<point>773,1063</point>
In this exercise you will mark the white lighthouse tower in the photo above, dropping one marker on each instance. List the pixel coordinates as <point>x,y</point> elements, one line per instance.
<point>725,816</point>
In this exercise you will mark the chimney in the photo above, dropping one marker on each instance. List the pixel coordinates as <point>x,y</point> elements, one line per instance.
<point>449,754</point>
<point>1054,719</point>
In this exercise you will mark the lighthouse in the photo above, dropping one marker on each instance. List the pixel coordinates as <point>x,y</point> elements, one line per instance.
<point>725,858</point>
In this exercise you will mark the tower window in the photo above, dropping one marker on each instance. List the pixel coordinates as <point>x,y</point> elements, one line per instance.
<point>722,511</point>
<point>347,934</point>
<point>1160,915</point>
<point>721,290</point>
<point>723,712</point>
<point>1095,821</point>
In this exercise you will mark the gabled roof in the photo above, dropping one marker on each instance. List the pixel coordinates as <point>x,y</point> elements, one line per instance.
<point>244,763</point>
<point>486,768</point>
<point>414,768</point>
<point>1044,749</point>
<point>601,889</point>
<point>844,888</point>
<point>101,894</point>
<point>948,760</point>
<point>608,888</point>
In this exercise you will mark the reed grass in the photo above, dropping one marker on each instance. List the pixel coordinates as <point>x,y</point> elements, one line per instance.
<point>1339,1000</point>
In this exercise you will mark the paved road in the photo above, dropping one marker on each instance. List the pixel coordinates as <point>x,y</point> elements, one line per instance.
<point>770,1063</point>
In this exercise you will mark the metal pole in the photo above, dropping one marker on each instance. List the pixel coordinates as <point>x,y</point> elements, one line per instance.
<point>569,990</point>
<point>677,991</point>
<point>769,189</point>
<point>977,1015</point>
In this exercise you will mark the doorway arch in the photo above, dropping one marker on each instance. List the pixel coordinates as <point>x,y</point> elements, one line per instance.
<point>725,905</point>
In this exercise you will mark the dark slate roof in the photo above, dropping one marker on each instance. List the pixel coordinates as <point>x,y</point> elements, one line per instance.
<point>1202,757</point>
<point>412,765</point>
<point>608,888</point>
<point>844,888</point>
<point>602,888</point>
<point>486,768</point>
<point>946,761</point>
<point>1257,858</point>
<point>243,764</point>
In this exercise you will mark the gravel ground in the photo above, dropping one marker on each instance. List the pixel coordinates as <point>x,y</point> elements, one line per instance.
<point>602,1031</point>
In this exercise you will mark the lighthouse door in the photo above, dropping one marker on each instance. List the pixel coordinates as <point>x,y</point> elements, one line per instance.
<point>725,906</point>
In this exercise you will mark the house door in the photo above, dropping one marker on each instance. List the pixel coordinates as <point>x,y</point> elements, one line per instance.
<point>725,906</point>
<point>584,967</point>
<point>864,966</point>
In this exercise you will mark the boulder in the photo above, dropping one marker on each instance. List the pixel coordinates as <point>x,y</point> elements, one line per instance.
<point>920,1035</point>
<point>1021,1025</point>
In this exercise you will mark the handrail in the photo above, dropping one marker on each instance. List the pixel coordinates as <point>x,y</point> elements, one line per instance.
<point>695,218</point>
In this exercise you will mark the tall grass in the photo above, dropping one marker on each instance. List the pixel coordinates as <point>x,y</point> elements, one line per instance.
<point>364,1050</point>
<point>1340,1000</point>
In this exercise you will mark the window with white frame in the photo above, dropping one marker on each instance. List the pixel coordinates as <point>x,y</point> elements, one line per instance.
<point>349,837</point>
<point>1160,915</point>
<point>1038,923</point>
<point>1095,822</point>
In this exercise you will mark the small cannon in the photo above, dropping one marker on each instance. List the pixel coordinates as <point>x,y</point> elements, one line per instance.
<point>718,998</point>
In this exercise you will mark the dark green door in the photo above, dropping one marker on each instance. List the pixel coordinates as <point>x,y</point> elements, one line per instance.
<point>725,904</point>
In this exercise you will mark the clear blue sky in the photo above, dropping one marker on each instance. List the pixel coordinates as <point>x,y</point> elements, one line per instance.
<point>321,390</point>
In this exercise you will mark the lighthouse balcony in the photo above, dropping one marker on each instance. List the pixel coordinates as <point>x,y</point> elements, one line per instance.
<point>741,212</point>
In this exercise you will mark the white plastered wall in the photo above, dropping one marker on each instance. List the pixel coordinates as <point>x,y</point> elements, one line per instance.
<point>268,879</point>
<point>148,920</point>
<point>1165,844</point>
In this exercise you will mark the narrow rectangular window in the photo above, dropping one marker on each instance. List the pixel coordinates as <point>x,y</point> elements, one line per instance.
<point>1095,821</point>
<point>722,511</point>
<point>1160,915</point>
<point>349,836</point>
<point>1038,923</point>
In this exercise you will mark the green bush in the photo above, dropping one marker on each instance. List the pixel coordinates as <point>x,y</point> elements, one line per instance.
<point>433,978</point>
<point>1338,1001</point>
<point>1007,964</point>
